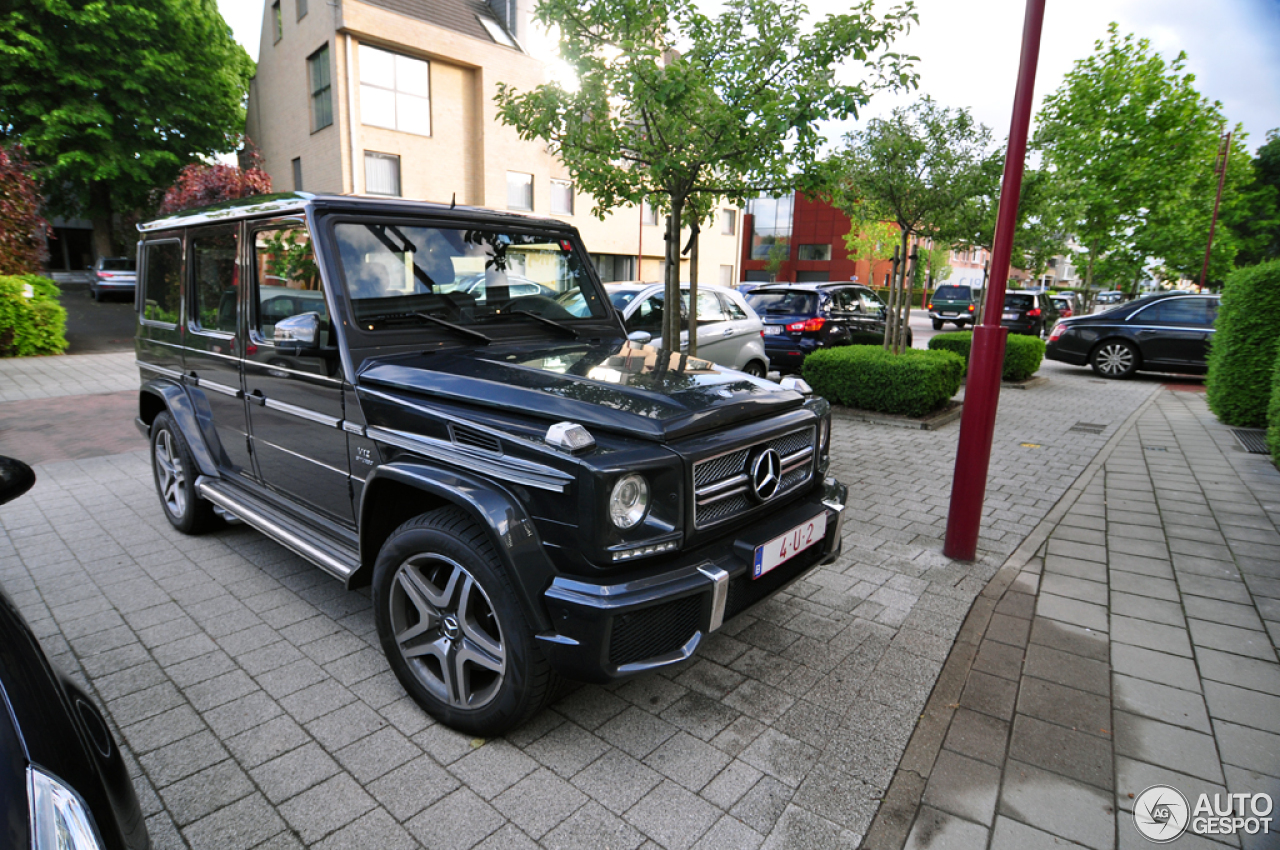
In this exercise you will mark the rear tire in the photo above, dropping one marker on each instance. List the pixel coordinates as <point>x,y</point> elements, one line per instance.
<point>937,324</point>
<point>452,628</point>
<point>175,475</point>
<point>755,369</point>
<point>1114,358</point>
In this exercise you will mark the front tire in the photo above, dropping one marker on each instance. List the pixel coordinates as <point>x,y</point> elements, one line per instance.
<point>452,628</point>
<point>175,475</point>
<point>1114,358</point>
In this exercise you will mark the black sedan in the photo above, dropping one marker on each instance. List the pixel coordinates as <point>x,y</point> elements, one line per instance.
<point>1160,333</point>
<point>63,783</point>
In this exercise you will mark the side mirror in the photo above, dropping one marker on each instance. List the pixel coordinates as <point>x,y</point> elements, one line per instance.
<point>16,478</point>
<point>640,337</point>
<point>298,336</point>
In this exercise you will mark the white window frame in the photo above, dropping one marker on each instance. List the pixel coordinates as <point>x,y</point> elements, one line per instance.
<point>558,186</point>
<point>401,94</point>
<point>378,155</point>
<point>525,180</point>
<point>729,222</point>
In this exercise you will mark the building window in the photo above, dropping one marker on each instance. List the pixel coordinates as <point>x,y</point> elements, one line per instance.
<point>381,173</point>
<point>297,174</point>
<point>321,89</point>
<point>395,91</point>
<point>562,197</point>
<point>302,9</point>
<point>772,226</point>
<point>819,253</point>
<point>277,21</point>
<point>519,191</point>
<point>728,222</point>
<point>648,215</point>
<point>614,267</point>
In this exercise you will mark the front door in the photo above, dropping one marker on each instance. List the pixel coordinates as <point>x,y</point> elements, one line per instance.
<point>295,403</point>
<point>1175,331</point>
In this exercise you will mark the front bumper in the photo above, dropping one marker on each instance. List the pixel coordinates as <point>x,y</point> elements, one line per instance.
<point>609,632</point>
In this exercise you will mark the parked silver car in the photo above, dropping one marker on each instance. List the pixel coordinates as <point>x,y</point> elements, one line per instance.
<point>729,331</point>
<point>113,274</point>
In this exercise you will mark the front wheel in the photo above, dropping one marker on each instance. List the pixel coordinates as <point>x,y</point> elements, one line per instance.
<point>1114,358</point>
<point>175,477</point>
<point>452,629</point>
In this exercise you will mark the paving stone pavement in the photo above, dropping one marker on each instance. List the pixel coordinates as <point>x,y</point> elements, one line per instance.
<point>257,711</point>
<point>1136,647</point>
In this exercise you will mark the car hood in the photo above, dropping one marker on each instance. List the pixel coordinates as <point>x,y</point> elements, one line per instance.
<point>637,390</point>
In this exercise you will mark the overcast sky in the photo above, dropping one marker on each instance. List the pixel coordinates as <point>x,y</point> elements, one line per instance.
<point>969,50</point>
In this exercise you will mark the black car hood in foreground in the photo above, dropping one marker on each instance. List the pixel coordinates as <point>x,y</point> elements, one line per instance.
<point>618,386</point>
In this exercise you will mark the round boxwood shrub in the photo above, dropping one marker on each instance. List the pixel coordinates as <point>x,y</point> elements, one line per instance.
<point>868,377</point>
<point>1022,354</point>
<point>1243,353</point>
<point>1273,415</point>
<point>31,319</point>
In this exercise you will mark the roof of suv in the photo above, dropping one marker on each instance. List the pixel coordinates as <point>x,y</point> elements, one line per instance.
<point>293,202</point>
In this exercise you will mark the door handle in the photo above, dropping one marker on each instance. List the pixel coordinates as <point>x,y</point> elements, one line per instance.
<point>728,332</point>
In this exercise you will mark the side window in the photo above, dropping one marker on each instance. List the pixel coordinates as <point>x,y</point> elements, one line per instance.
<point>709,309</point>
<point>162,282</point>
<point>732,310</point>
<point>216,279</point>
<point>870,302</point>
<point>648,316</point>
<point>1176,311</point>
<point>287,279</point>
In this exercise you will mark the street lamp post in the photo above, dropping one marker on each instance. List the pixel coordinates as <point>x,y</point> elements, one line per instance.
<point>986,362</point>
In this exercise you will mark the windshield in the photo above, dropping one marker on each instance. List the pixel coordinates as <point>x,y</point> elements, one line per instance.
<point>468,276</point>
<point>953,293</point>
<point>766,301</point>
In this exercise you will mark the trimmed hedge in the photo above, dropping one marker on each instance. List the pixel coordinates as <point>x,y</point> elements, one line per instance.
<point>1022,354</point>
<point>1243,353</point>
<point>31,319</point>
<point>1273,416</point>
<point>868,377</point>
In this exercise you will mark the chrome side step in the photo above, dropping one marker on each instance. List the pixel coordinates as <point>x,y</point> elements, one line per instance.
<point>278,527</point>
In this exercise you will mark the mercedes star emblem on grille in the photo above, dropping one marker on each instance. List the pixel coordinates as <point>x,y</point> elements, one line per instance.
<point>766,474</point>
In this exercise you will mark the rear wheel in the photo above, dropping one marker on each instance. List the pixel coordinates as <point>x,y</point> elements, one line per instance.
<point>1114,358</point>
<point>755,369</point>
<point>452,629</point>
<point>175,477</point>
<point>937,324</point>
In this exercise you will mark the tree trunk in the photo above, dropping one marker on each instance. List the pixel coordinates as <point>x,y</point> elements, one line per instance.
<point>908,286</point>
<point>671,324</point>
<point>101,215</point>
<point>893,302</point>
<point>693,290</point>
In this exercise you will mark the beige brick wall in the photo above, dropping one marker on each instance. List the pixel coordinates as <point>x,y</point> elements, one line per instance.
<point>469,151</point>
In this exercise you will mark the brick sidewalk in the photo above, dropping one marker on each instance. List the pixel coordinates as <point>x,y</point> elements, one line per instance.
<point>257,710</point>
<point>1137,648</point>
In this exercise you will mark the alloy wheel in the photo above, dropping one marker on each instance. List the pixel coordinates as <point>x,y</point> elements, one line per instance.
<point>173,481</point>
<point>1115,359</point>
<point>447,632</point>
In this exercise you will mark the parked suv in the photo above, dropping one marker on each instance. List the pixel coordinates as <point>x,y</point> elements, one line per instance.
<point>800,318</point>
<point>529,493</point>
<point>110,275</point>
<point>953,303</point>
<point>1027,312</point>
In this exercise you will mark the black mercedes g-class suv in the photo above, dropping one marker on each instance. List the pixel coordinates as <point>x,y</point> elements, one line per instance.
<point>529,492</point>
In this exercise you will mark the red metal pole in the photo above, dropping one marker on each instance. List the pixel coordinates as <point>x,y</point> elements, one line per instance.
<point>986,360</point>
<point>1221,167</point>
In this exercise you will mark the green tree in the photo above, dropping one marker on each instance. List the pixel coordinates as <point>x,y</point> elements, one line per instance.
<point>1257,223</point>
<point>684,110</point>
<point>922,169</point>
<point>872,241</point>
<point>1131,143</point>
<point>113,98</point>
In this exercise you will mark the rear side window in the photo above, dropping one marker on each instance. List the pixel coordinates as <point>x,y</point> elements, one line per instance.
<point>783,302</point>
<point>216,278</point>
<point>953,293</point>
<point>732,310</point>
<point>162,282</point>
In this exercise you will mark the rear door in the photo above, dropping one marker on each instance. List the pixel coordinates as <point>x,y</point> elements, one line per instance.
<point>213,350</point>
<point>716,331</point>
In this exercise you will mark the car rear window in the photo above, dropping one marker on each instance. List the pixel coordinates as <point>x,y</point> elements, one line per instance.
<point>765,302</point>
<point>1019,301</point>
<point>953,293</point>
<point>117,264</point>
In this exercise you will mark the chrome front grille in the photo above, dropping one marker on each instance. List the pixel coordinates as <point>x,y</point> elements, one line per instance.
<point>722,484</point>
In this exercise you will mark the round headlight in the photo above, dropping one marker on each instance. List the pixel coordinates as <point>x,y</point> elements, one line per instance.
<point>629,501</point>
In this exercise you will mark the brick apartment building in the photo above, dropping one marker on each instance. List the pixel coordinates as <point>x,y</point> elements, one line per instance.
<point>395,98</point>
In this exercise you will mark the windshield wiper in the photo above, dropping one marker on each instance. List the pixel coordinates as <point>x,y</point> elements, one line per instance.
<point>552,322</point>
<point>435,320</point>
